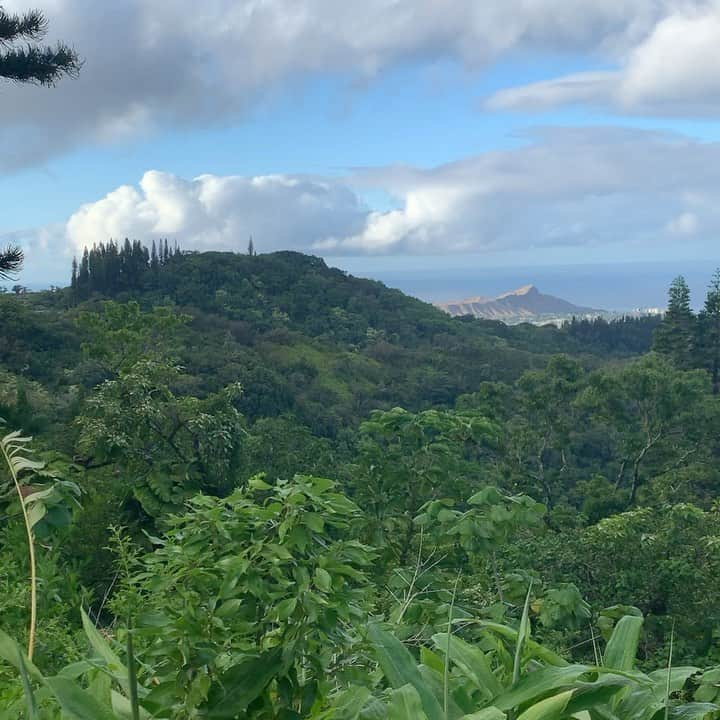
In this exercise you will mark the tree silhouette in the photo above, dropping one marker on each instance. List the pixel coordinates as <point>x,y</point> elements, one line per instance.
<point>32,62</point>
<point>10,262</point>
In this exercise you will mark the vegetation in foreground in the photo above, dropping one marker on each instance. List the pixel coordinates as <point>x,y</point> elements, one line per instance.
<point>535,536</point>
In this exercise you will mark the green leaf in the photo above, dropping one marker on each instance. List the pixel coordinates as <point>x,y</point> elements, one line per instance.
<point>539,683</point>
<point>405,704</point>
<point>286,608</point>
<point>10,652</point>
<point>349,703</point>
<point>400,669</point>
<point>323,579</point>
<point>622,647</point>
<point>241,684</point>
<point>534,648</point>
<point>229,607</point>
<point>551,708</point>
<point>258,483</point>
<point>27,688</point>
<point>103,649</point>
<point>523,635</point>
<point>472,661</point>
<point>491,713</point>
<point>122,707</point>
<point>694,711</point>
<point>77,703</point>
<point>36,513</point>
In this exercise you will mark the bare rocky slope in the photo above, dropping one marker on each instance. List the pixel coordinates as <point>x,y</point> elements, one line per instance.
<point>526,303</point>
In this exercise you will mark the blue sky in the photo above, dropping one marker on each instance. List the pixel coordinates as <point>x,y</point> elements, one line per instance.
<point>556,132</point>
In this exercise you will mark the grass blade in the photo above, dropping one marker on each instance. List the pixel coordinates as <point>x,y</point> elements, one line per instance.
<point>523,635</point>
<point>400,669</point>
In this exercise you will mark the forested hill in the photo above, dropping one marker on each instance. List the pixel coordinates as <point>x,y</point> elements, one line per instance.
<point>566,461</point>
<point>300,337</point>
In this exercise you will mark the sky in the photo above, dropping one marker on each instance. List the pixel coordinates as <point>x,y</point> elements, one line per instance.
<point>415,133</point>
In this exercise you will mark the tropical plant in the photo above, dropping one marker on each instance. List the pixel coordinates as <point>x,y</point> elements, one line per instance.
<point>41,496</point>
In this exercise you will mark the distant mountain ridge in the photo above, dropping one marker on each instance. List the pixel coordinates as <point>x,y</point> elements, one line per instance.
<point>526,304</point>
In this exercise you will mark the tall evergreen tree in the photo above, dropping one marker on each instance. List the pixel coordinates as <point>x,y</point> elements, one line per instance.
<point>675,336</point>
<point>22,59</point>
<point>74,276</point>
<point>83,279</point>
<point>11,260</point>
<point>708,331</point>
<point>251,247</point>
<point>154,263</point>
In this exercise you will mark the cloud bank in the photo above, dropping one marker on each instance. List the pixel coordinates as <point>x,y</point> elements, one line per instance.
<point>211,212</point>
<point>566,188</point>
<point>178,63</point>
<point>670,71</point>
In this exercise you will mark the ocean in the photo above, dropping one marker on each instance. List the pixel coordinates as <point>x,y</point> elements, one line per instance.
<point>614,287</point>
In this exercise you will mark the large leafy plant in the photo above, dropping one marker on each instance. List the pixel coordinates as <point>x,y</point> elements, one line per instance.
<point>508,676</point>
<point>44,500</point>
<point>262,588</point>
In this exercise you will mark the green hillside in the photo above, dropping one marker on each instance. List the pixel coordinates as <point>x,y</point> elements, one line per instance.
<point>187,413</point>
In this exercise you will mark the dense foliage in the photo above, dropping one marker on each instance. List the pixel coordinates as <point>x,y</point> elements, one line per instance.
<point>521,522</point>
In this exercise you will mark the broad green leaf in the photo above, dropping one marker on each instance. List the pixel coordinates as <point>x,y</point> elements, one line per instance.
<point>103,649</point>
<point>551,708</point>
<point>622,646</point>
<point>286,608</point>
<point>258,483</point>
<point>36,513</point>
<point>540,683</point>
<point>400,669</point>
<point>32,709</point>
<point>323,579</point>
<point>534,648</point>
<point>348,704</point>
<point>241,684</point>
<point>229,607</point>
<point>122,707</point>
<point>472,661</point>
<point>432,660</point>
<point>10,652</point>
<point>435,682</point>
<point>491,713</point>
<point>77,703</point>
<point>694,711</point>
<point>405,704</point>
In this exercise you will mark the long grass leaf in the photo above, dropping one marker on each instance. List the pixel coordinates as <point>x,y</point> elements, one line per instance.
<point>400,669</point>
<point>523,635</point>
<point>27,688</point>
<point>405,704</point>
<point>552,708</point>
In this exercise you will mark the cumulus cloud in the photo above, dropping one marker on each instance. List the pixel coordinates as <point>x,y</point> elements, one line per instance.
<point>180,63</point>
<point>566,188</point>
<point>220,213</point>
<point>669,72</point>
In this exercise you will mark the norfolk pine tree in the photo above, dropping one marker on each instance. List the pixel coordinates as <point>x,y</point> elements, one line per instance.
<point>24,60</point>
<point>675,337</point>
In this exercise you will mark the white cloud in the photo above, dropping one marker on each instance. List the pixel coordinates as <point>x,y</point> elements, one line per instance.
<point>570,187</point>
<point>220,213</point>
<point>668,72</point>
<point>179,63</point>
<point>567,188</point>
<point>684,224</point>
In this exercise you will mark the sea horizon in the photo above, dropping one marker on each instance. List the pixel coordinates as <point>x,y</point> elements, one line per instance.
<point>614,287</point>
